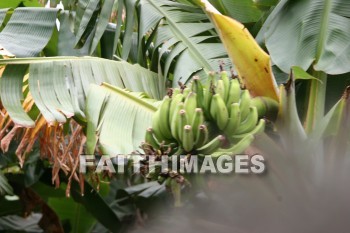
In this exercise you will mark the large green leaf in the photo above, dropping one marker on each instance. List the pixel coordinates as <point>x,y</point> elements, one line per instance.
<point>179,34</point>
<point>310,32</point>
<point>67,209</point>
<point>245,11</point>
<point>3,13</point>
<point>85,19</point>
<point>28,31</point>
<point>59,85</point>
<point>102,23</point>
<point>122,120</point>
<point>11,82</point>
<point>62,41</point>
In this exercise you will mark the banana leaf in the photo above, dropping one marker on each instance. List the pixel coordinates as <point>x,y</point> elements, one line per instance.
<point>322,32</point>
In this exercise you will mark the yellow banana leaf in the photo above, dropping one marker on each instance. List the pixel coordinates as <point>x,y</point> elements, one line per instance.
<point>251,62</point>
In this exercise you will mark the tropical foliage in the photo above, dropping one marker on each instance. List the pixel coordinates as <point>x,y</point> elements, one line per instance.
<point>89,78</point>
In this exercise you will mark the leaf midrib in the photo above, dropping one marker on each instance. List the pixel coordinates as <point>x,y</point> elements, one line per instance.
<point>323,28</point>
<point>121,92</point>
<point>192,49</point>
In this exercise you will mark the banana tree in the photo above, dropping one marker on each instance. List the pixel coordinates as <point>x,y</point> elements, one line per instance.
<point>174,39</point>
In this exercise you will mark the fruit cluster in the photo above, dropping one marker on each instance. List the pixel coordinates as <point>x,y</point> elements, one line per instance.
<point>203,119</point>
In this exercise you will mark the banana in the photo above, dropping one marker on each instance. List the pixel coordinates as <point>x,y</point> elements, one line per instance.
<point>164,111</point>
<point>149,138</point>
<point>180,124</point>
<point>259,128</point>
<point>193,86</point>
<point>244,104</point>
<point>174,102</point>
<point>212,146</point>
<point>234,120</point>
<point>249,123</point>
<point>220,89</point>
<point>208,94</point>
<point>266,106</point>
<point>218,111</point>
<point>175,91</point>
<point>187,142</point>
<point>226,81</point>
<point>156,127</point>
<point>173,127</point>
<point>197,121</point>
<point>234,92</point>
<point>202,136</point>
<point>211,81</point>
<point>190,105</point>
<point>236,148</point>
<point>186,91</point>
<point>198,89</point>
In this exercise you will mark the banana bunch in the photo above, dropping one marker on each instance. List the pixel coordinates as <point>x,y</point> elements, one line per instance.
<point>231,108</point>
<point>200,119</point>
<point>179,119</point>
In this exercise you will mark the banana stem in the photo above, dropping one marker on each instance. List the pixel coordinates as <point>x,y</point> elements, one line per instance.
<point>317,98</point>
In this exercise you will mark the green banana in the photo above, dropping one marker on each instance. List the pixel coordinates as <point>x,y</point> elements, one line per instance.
<point>149,138</point>
<point>190,105</point>
<point>212,146</point>
<point>259,128</point>
<point>193,86</point>
<point>244,104</point>
<point>234,92</point>
<point>236,148</point>
<point>175,100</point>
<point>206,102</point>
<point>156,127</point>
<point>197,120</point>
<point>211,81</point>
<point>187,142</point>
<point>234,120</point>
<point>174,119</point>
<point>202,136</point>
<point>249,123</point>
<point>198,89</point>
<point>266,106</point>
<point>218,111</point>
<point>208,94</point>
<point>186,91</point>
<point>164,122</point>
<point>180,124</point>
<point>175,91</point>
<point>226,81</point>
<point>220,89</point>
